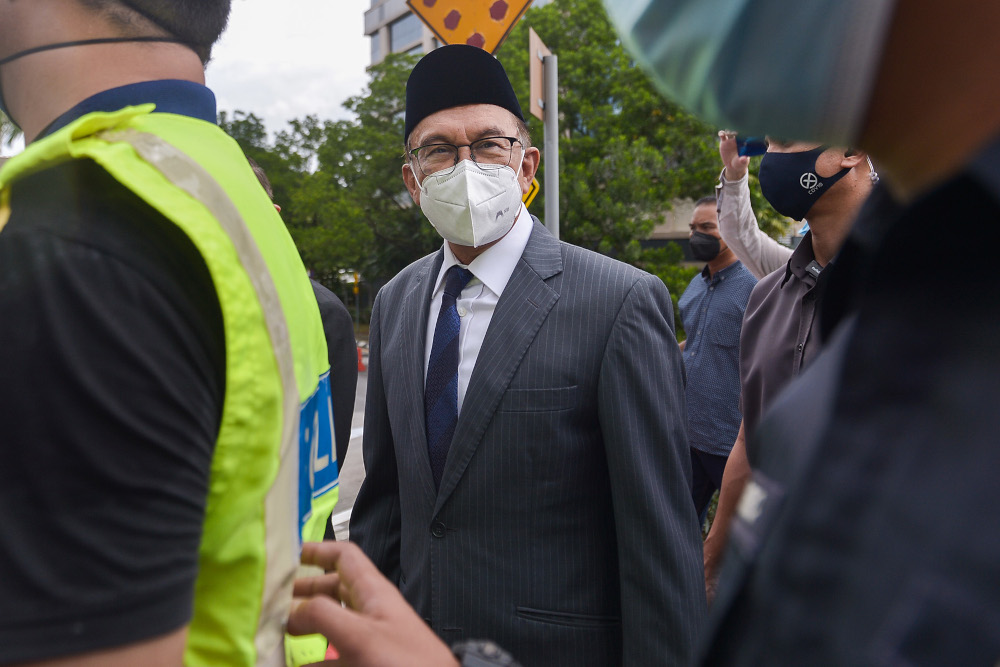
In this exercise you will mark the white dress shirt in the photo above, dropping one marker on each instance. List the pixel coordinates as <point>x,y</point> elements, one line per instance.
<point>491,271</point>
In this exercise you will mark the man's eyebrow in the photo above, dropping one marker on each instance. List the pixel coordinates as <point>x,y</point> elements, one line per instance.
<point>434,139</point>
<point>490,132</point>
<point>441,139</point>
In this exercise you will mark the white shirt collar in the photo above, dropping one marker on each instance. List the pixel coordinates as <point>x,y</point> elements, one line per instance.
<point>495,266</point>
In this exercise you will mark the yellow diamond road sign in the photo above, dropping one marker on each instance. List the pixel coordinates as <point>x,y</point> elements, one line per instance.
<point>533,189</point>
<point>482,23</point>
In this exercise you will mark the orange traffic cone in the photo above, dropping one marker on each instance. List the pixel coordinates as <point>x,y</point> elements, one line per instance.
<point>361,364</point>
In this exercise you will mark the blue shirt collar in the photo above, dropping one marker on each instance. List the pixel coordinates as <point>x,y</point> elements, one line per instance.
<point>720,274</point>
<point>176,96</point>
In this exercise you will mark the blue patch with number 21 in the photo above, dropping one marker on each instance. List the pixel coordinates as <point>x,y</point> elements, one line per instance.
<point>317,456</point>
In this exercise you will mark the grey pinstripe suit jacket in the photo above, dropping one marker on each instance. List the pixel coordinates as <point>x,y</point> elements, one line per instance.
<point>563,527</point>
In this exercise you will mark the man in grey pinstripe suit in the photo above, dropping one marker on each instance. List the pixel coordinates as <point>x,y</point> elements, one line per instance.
<point>556,517</point>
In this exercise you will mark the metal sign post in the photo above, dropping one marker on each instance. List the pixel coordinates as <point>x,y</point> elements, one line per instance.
<point>543,80</point>
<point>551,67</point>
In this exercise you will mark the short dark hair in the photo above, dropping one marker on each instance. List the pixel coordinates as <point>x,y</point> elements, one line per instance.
<point>198,23</point>
<point>706,200</point>
<point>265,182</point>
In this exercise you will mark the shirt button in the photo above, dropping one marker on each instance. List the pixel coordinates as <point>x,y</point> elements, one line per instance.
<point>461,312</point>
<point>437,529</point>
<point>800,347</point>
<point>711,289</point>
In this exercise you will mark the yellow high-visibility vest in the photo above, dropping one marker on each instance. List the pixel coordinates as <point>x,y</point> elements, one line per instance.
<point>274,470</point>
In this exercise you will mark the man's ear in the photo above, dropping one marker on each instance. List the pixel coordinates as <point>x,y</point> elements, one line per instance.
<point>529,165</point>
<point>852,159</point>
<point>410,180</point>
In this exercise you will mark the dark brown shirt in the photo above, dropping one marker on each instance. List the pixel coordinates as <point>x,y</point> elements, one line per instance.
<point>777,339</point>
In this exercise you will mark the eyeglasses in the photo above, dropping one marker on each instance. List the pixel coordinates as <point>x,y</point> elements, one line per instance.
<point>488,153</point>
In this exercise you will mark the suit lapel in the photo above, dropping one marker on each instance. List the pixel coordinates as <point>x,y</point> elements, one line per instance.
<point>412,324</point>
<point>523,306</point>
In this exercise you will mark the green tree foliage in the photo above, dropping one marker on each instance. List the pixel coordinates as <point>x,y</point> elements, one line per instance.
<point>621,140</point>
<point>665,262</point>
<point>339,183</point>
<point>625,152</point>
<point>362,159</point>
<point>625,155</point>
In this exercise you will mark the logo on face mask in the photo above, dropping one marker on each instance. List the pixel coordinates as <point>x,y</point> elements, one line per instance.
<point>777,181</point>
<point>810,182</point>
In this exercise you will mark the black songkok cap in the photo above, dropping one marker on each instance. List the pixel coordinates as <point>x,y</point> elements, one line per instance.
<point>453,76</point>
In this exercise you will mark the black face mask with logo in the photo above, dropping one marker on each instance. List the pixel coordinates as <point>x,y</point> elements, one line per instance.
<point>81,42</point>
<point>704,247</point>
<point>790,183</point>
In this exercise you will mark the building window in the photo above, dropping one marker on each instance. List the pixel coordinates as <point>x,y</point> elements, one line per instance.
<point>404,32</point>
<point>376,51</point>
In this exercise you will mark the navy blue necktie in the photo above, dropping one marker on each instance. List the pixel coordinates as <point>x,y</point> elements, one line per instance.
<point>441,392</point>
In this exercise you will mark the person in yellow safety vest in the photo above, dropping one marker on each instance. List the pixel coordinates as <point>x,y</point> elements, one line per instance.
<point>165,422</point>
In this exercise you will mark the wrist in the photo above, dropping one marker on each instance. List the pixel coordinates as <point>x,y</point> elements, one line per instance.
<point>730,175</point>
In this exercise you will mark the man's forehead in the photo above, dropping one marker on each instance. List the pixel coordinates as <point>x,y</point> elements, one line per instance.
<point>465,122</point>
<point>704,213</point>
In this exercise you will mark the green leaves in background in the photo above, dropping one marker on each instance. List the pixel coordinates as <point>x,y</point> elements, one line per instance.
<point>625,155</point>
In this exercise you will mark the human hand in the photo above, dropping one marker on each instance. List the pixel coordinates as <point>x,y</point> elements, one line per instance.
<point>711,560</point>
<point>374,627</point>
<point>735,164</point>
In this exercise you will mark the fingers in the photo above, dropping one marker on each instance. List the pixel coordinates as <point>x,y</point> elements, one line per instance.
<point>735,164</point>
<point>327,584</point>
<point>356,581</point>
<point>324,554</point>
<point>362,586</point>
<point>322,615</point>
<point>727,145</point>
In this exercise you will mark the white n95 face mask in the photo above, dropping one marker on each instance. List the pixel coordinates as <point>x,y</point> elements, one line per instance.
<point>799,70</point>
<point>472,206</point>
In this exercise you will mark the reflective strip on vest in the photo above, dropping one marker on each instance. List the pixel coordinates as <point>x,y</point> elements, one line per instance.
<point>185,173</point>
<point>190,172</point>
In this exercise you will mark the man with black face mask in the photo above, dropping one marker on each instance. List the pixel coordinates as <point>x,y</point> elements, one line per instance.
<point>798,179</point>
<point>712,311</point>
<point>760,253</point>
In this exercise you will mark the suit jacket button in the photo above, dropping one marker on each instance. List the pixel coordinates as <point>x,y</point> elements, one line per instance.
<point>437,529</point>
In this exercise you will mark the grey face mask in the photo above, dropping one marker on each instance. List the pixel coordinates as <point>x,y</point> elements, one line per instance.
<point>81,42</point>
<point>758,67</point>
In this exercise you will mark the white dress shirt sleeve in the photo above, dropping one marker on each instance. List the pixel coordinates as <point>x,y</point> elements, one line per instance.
<point>738,226</point>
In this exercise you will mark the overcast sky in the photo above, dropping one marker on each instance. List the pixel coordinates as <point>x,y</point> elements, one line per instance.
<point>286,60</point>
<point>289,59</point>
